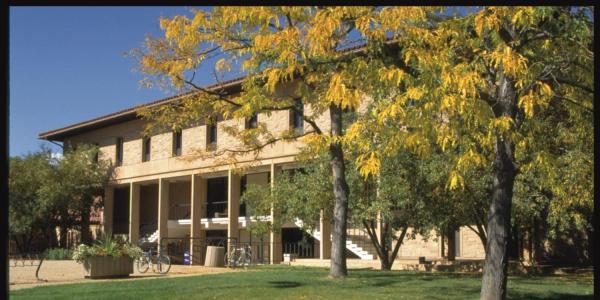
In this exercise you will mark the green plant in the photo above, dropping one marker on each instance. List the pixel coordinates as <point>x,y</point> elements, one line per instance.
<point>106,246</point>
<point>81,253</point>
<point>132,251</point>
<point>57,254</point>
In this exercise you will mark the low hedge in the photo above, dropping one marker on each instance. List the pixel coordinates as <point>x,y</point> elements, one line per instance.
<point>58,254</point>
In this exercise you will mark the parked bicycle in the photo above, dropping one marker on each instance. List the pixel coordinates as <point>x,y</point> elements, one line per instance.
<point>239,257</point>
<point>147,260</point>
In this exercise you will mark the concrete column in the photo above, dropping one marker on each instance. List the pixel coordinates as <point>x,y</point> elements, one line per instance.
<point>198,200</point>
<point>325,244</point>
<point>275,235</point>
<point>134,212</point>
<point>441,250</point>
<point>233,207</point>
<point>163,210</point>
<point>108,212</point>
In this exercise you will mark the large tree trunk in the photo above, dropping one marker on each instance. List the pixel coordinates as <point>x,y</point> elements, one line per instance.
<point>340,192</point>
<point>498,226</point>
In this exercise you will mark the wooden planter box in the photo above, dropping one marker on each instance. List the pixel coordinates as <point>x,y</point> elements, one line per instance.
<point>108,267</point>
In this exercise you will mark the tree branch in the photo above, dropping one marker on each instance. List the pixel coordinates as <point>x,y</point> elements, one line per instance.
<point>590,110</point>
<point>399,242</point>
<point>373,238</point>
<point>574,84</point>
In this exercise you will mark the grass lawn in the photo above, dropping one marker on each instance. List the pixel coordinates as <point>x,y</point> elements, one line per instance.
<point>284,282</point>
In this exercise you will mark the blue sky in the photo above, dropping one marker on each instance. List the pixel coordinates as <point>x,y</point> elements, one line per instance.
<point>67,66</point>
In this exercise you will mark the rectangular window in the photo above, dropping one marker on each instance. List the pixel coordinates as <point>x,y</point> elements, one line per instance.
<point>211,135</point>
<point>177,143</point>
<point>146,149</point>
<point>216,197</point>
<point>119,154</point>
<point>296,116</point>
<point>252,122</point>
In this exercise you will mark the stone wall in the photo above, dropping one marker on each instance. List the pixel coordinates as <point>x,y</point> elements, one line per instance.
<point>468,246</point>
<point>419,246</point>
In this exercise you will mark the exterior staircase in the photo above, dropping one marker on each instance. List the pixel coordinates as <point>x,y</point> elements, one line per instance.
<point>359,245</point>
<point>153,238</point>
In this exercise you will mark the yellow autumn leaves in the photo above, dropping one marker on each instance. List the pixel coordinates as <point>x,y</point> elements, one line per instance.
<point>441,82</point>
<point>340,94</point>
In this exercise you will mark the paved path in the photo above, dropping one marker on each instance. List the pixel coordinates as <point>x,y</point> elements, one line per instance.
<point>68,271</point>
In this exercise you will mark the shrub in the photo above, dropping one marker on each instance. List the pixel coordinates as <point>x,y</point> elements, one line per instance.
<point>57,254</point>
<point>106,246</point>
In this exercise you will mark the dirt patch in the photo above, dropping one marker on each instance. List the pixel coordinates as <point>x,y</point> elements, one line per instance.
<point>67,271</point>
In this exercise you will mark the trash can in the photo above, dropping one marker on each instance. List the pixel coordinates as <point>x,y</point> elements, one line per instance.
<point>215,256</point>
<point>289,257</point>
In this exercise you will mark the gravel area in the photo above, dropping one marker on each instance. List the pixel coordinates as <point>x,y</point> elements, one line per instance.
<point>68,271</point>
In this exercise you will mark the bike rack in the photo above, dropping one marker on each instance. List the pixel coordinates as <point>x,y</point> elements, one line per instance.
<point>260,249</point>
<point>199,245</point>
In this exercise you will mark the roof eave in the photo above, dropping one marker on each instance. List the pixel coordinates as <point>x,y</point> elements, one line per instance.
<point>124,115</point>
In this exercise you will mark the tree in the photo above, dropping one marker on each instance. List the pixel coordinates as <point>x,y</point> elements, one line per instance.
<point>27,217</point>
<point>451,209</point>
<point>290,198</point>
<point>395,200</point>
<point>272,46</point>
<point>75,181</point>
<point>554,198</point>
<point>493,73</point>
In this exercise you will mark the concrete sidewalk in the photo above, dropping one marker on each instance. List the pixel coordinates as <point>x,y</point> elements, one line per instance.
<point>68,271</point>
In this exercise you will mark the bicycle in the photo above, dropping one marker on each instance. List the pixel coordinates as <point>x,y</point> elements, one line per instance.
<point>163,262</point>
<point>239,257</point>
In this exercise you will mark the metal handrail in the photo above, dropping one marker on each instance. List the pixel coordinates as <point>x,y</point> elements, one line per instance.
<point>260,249</point>
<point>300,249</point>
<point>364,240</point>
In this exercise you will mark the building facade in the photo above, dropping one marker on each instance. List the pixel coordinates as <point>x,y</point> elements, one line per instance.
<point>164,192</point>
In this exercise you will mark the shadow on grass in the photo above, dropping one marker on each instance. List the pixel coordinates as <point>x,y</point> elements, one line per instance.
<point>284,284</point>
<point>413,275</point>
<point>552,296</point>
<point>584,278</point>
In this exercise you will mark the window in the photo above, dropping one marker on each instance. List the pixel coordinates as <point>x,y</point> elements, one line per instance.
<point>252,122</point>
<point>211,135</point>
<point>177,143</point>
<point>216,197</point>
<point>146,149</point>
<point>296,116</point>
<point>119,154</point>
